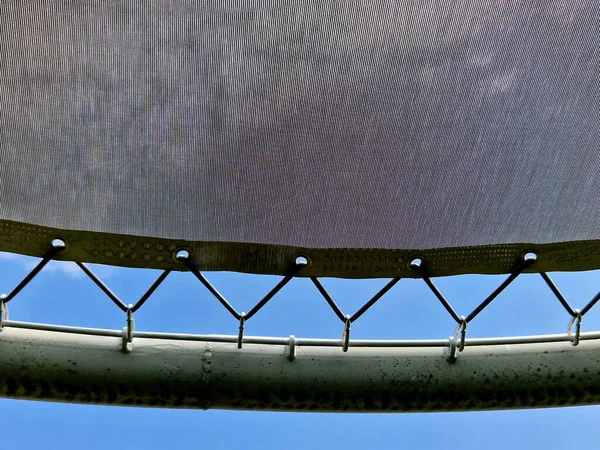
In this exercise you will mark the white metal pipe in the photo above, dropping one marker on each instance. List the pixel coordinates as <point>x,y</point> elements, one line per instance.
<point>46,365</point>
<point>312,342</point>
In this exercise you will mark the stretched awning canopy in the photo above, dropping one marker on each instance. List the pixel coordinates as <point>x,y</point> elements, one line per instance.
<point>358,134</point>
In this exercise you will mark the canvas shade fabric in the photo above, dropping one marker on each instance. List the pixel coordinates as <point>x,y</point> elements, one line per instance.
<point>360,134</point>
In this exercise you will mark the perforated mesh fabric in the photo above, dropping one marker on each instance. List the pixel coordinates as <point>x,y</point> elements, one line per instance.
<point>360,134</point>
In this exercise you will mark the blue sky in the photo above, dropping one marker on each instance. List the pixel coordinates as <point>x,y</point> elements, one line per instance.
<point>62,294</point>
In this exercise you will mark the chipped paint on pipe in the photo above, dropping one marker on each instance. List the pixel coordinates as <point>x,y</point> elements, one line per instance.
<point>42,365</point>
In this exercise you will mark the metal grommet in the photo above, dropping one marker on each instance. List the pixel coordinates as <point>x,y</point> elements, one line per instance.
<point>416,264</point>
<point>302,261</point>
<point>530,257</point>
<point>346,334</point>
<point>181,255</point>
<point>576,320</point>
<point>59,243</point>
<point>241,331</point>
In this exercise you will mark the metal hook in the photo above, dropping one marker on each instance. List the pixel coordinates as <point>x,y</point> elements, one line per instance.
<point>292,344</point>
<point>576,320</point>
<point>241,332</point>
<point>127,344</point>
<point>452,349</point>
<point>462,327</point>
<point>346,334</point>
<point>455,344</point>
<point>3,310</point>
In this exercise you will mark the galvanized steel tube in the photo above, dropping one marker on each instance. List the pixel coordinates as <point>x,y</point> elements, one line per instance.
<point>46,365</point>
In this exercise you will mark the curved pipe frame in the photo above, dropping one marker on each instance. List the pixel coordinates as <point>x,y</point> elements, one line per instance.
<point>47,365</point>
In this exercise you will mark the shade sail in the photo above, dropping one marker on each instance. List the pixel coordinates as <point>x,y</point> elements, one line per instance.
<point>359,134</point>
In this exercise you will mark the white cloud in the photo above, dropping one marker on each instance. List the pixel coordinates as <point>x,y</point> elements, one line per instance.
<point>4,256</point>
<point>67,268</point>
